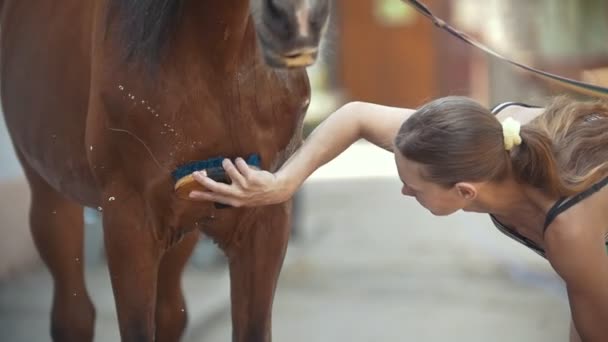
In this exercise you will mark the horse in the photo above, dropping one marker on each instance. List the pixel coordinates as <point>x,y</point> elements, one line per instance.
<point>103,99</point>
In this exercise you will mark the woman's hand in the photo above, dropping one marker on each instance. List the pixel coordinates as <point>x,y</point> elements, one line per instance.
<point>250,187</point>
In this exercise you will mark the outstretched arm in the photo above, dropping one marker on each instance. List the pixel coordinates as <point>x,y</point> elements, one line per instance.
<point>356,120</point>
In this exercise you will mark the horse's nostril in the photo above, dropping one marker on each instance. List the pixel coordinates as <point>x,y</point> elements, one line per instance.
<point>275,10</point>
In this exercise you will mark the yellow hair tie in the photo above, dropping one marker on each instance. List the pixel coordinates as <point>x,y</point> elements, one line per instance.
<point>510,132</point>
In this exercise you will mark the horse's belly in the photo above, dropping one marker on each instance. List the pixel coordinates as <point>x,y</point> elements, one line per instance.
<point>45,78</point>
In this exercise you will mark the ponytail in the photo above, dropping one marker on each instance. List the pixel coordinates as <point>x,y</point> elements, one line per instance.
<point>533,162</point>
<point>565,150</point>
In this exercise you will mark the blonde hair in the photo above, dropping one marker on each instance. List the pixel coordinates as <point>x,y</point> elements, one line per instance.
<point>562,152</point>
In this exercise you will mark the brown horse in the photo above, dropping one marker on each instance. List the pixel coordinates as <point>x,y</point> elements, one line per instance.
<point>104,98</point>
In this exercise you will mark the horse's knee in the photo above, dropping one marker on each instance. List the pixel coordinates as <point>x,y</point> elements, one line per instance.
<point>171,310</point>
<point>255,333</point>
<point>72,320</point>
<point>138,332</point>
<point>171,319</point>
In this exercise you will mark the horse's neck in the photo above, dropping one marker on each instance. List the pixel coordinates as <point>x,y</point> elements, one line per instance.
<point>212,28</point>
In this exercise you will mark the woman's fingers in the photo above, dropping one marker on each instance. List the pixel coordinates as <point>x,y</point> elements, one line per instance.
<point>234,173</point>
<point>214,186</point>
<point>247,183</point>
<point>243,168</point>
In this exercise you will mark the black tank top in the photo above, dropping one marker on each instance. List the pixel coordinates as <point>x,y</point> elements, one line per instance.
<point>559,207</point>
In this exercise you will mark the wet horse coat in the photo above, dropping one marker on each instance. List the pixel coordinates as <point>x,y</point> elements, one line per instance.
<point>92,127</point>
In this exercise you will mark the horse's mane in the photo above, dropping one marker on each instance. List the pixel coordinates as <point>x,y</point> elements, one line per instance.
<point>144,26</point>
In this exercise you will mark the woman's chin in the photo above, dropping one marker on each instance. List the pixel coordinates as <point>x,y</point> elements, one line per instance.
<point>437,212</point>
<point>441,212</point>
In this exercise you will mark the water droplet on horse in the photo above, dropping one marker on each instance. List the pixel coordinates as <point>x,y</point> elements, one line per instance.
<point>77,259</point>
<point>99,209</point>
<point>54,212</point>
<point>121,87</point>
<point>183,310</point>
<point>112,198</point>
<point>91,147</point>
<point>74,294</point>
<point>156,115</point>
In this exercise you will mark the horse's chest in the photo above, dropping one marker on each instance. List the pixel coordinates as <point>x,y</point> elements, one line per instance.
<point>268,108</point>
<point>240,115</point>
<point>187,120</point>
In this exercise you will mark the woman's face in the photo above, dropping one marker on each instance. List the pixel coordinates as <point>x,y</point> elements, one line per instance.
<point>437,199</point>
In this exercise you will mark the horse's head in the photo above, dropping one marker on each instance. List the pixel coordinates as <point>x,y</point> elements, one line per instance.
<point>289,31</point>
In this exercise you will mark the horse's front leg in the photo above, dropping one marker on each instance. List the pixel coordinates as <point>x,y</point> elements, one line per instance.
<point>256,256</point>
<point>171,313</point>
<point>133,255</point>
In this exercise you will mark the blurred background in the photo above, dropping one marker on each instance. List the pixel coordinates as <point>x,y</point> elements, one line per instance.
<point>364,263</point>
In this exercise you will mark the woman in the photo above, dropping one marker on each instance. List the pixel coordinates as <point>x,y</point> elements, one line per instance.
<point>543,182</point>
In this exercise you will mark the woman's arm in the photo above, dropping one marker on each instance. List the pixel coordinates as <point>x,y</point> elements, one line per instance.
<point>578,254</point>
<point>356,120</point>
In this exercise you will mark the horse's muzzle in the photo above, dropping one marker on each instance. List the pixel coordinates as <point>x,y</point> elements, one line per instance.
<point>299,58</point>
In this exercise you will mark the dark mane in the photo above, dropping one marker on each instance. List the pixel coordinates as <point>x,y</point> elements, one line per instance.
<point>144,27</point>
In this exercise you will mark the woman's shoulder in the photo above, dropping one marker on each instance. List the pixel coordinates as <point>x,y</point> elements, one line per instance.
<point>584,221</point>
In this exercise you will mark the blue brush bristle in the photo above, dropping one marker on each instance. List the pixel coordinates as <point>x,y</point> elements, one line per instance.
<point>187,169</point>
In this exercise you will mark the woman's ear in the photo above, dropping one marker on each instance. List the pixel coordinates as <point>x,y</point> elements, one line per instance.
<point>466,190</point>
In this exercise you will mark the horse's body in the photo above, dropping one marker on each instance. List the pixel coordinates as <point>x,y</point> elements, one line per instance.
<point>92,130</point>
